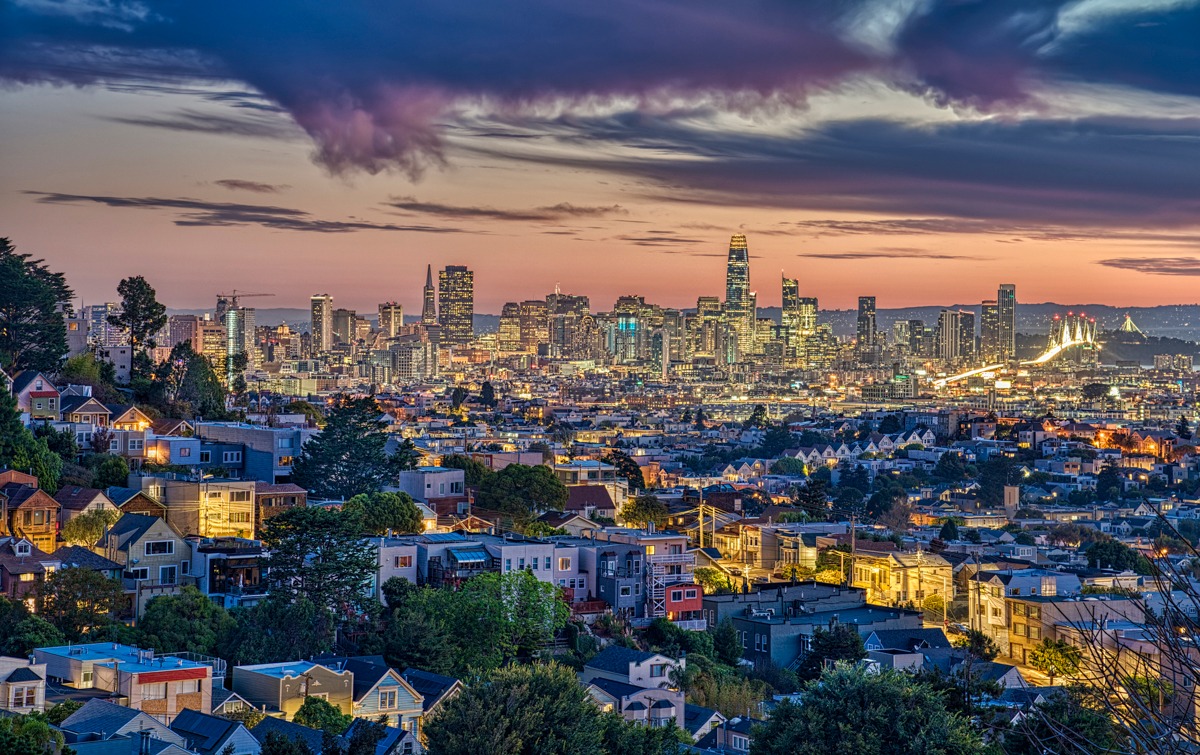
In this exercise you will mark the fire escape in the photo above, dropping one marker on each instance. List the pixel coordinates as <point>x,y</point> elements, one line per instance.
<point>663,572</point>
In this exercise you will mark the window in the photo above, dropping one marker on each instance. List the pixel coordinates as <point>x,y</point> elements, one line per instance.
<point>508,564</point>
<point>231,457</point>
<point>184,452</point>
<point>691,594</point>
<point>649,550</point>
<point>185,566</point>
<point>740,743</point>
<point>138,573</point>
<point>24,697</point>
<point>239,517</point>
<point>205,457</point>
<point>625,592</point>
<point>286,461</point>
<point>85,679</point>
<point>154,691</point>
<point>548,563</point>
<point>23,549</point>
<point>114,444</point>
<point>285,443</point>
<point>214,495</point>
<point>239,496</point>
<point>404,562</point>
<point>160,548</point>
<point>564,564</point>
<point>658,669</point>
<point>387,699</point>
<point>136,444</point>
<point>168,575</point>
<point>1035,632</point>
<point>521,564</point>
<point>676,595</point>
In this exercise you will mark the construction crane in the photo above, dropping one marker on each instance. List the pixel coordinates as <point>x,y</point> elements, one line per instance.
<point>225,302</point>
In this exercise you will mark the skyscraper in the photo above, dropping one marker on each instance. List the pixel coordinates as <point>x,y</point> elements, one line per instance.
<point>739,304</point>
<point>322,322</point>
<point>391,319</point>
<point>1006,310</point>
<point>989,330</point>
<point>865,330</point>
<point>456,304</point>
<point>343,325</point>
<point>535,325</point>
<point>956,335</point>
<point>240,335</point>
<point>429,302</point>
<point>509,337</point>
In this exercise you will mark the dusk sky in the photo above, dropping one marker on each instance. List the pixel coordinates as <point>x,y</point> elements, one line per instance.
<point>918,150</point>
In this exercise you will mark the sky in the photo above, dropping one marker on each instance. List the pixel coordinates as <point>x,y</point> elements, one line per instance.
<point>921,151</point>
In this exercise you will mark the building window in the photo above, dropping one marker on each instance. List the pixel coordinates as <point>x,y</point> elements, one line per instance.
<point>658,669</point>
<point>691,594</point>
<point>564,564</point>
<point>23,549</point>
<point>138,573</point>
<point>387,699</point>
<point>239,517</point>
<point>239,496</point>
<point>114,445</point>
<point>136,444</point>
<point>168,575</point>
<point>521,564</point>
<point>85,679</point>
<point>185,452</point>
<point>160,548</point>
<point>625,592</point>
<point>205,457</point>
<point>404,562</point>
<point>24,697</point>
<point>508,564</point>
<point>231,457</point>
<point>154,691</point>
<point>676,595</point>
<point>548,563</point>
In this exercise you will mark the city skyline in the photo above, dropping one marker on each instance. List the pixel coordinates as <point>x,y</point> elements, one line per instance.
<point>888,147</point>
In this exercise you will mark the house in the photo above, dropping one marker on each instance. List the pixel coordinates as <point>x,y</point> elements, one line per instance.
<point>22,685</point>
<point>637,685</point>
<point>229,570</point>
<point>700,721</point>
<point>75,500</point>
<point>435,689</point>
<point>590,501</point>
<point>160,686</point>
<point>397,558</point>
<point>27,511</point>
<point>134,501</point>
<point>79,557</point>
<point>271,499</point>
<point>206,734</point>
<point>279,689</point>
<point>153,554</point>
<point>102,720</point>
<point>894,578</point>
<point>36,395</point>
<point>23,566</point>
<point>733,736</point>
<point>570,522</point>
<point>394,742</point>
<point>226,702</point>
<point>208,508</point>
<point>84,410</point>
<point>380,692</point>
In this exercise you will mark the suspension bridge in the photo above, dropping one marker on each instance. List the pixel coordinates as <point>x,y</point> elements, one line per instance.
<point>1065,333</point>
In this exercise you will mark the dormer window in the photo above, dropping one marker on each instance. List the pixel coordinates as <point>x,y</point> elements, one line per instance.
<point>23,549</point>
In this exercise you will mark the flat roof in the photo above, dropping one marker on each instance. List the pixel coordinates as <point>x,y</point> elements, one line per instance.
<point>105,653</point>
<point>293,669</point>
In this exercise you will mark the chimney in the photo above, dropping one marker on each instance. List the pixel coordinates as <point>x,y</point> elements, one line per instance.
<point>145,744</point>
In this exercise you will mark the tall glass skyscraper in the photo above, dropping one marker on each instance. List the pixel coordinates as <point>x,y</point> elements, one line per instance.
<point>739,304</point>
<point>456,304</point>
<point>322,322</point>
<point>865,330</point>
<point>1006,315</point>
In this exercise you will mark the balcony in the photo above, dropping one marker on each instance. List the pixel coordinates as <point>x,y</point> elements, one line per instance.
<point>693,625</point>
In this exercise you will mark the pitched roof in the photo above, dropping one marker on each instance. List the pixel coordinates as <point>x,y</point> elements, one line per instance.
<point>580,497</point>
<point>695,717</point>
<point>100,716</point>
<point>615,659</point>
<point>23,674</point>
<point>911,639</point>
<point>76,498</point>
<point>203,732</point>
<point>131,527</point>
<point>79,556</point>
<point>434,687</point>
<point>314,738</point>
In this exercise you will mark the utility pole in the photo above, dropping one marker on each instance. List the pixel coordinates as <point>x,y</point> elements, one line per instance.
<point>853,550</point>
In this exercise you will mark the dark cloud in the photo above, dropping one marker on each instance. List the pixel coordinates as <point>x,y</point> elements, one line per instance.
<point>237,184</point>
<point>194,212</point>
<point>561,211</point>
<point>1189,266</point>
<point>660,238</point>
<point>373,83</point>
<point>891,253</point>
<point>255,123</point>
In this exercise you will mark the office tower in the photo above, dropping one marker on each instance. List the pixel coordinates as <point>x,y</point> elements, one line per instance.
<point>806,315</point>
<point>322,323</point>
<point>429,300</point>
<point>866,338</point>
<point>1006,306</point>
<point>240,335</point>
<point>100,332</point>
<point>391,319</point>
<point>989,330</point>
<point>967,348</point>
<point>456,305</point>
<point>902,335</point>
<point>739,304</point>
<point>343,325</point>
<point>566,315</point>
<point>361,329</point>
<point>535,325</point>
<point>509,337</point>
<point>790,315</point>
<point>706,326</point>
<point>956,335</point>
<point>183,329</point>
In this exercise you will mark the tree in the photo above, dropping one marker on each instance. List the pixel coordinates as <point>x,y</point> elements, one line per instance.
<point>627,468</point>
<point>142,316</point>
<point>643,510</point>
<point>87,528</point>
<point>891,424</point>
<point>775,441</point>
<point>1182,428</point>
<point>319,554</point>
<point>414,639</point>
<point>520,491</point>
<point>379,513</point>
<point>758,417</point>
<point>841,642</point>
<point>487,395</point>
<point>280,744</point>
<point>950,468</point>
<point>1110,553</point>
<point>60,712</point>
<point>98,374</point>
<point>78,601</point>
<point>278,629</point>
<point>520,710</point>
<point>21,631</point>
<point>474,472</point>
<point>1094,391</point>
<point>318,713</point>
<point>20,450</point>
<point>1071,722</point>
<point>348,456</point>
<point>726,643</point>
<point>1109,486</point>
<point>812,497</point>
<point>788,466</point>
<point>1055,658</point>
<point>620,737</point>
<point>312,414</point>
<point>850,709</point>
<point>949,530</point>
<point>110,470</point>
<point>248,717</point>
<point>186,385</point>
<point>701,418</point>
<point>61,442</point>
<point>29,735</point>
<point>189,621</point>
<point>33,334</point>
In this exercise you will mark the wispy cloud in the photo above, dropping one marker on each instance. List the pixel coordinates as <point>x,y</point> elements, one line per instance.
<point>1188,266</point>
<point>890,253</point>
<point>253,123</point>
<point>560,211</point>
<point>194,212</point>
<point>237,184</point>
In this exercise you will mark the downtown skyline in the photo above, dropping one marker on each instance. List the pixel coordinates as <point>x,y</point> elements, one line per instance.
<point>914,151</point>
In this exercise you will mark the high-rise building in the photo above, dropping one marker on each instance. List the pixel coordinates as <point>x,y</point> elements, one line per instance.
<point>739,302</point>
<point>213,343</point>
<point>391,319</point>
<point>429,300</point>
<point>100,331</point>
<point>183,329</point>
<point>865,335</point>
<point>566,314</point>
<point>322,322</point>
<point>535,325</point>
<point>1006,311</point>
<point>343,325</point>
<point>456,305</point>
<point>509,337</point>
<point>240,335</point>
<point>989,330</point>
<point>956,335</point>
